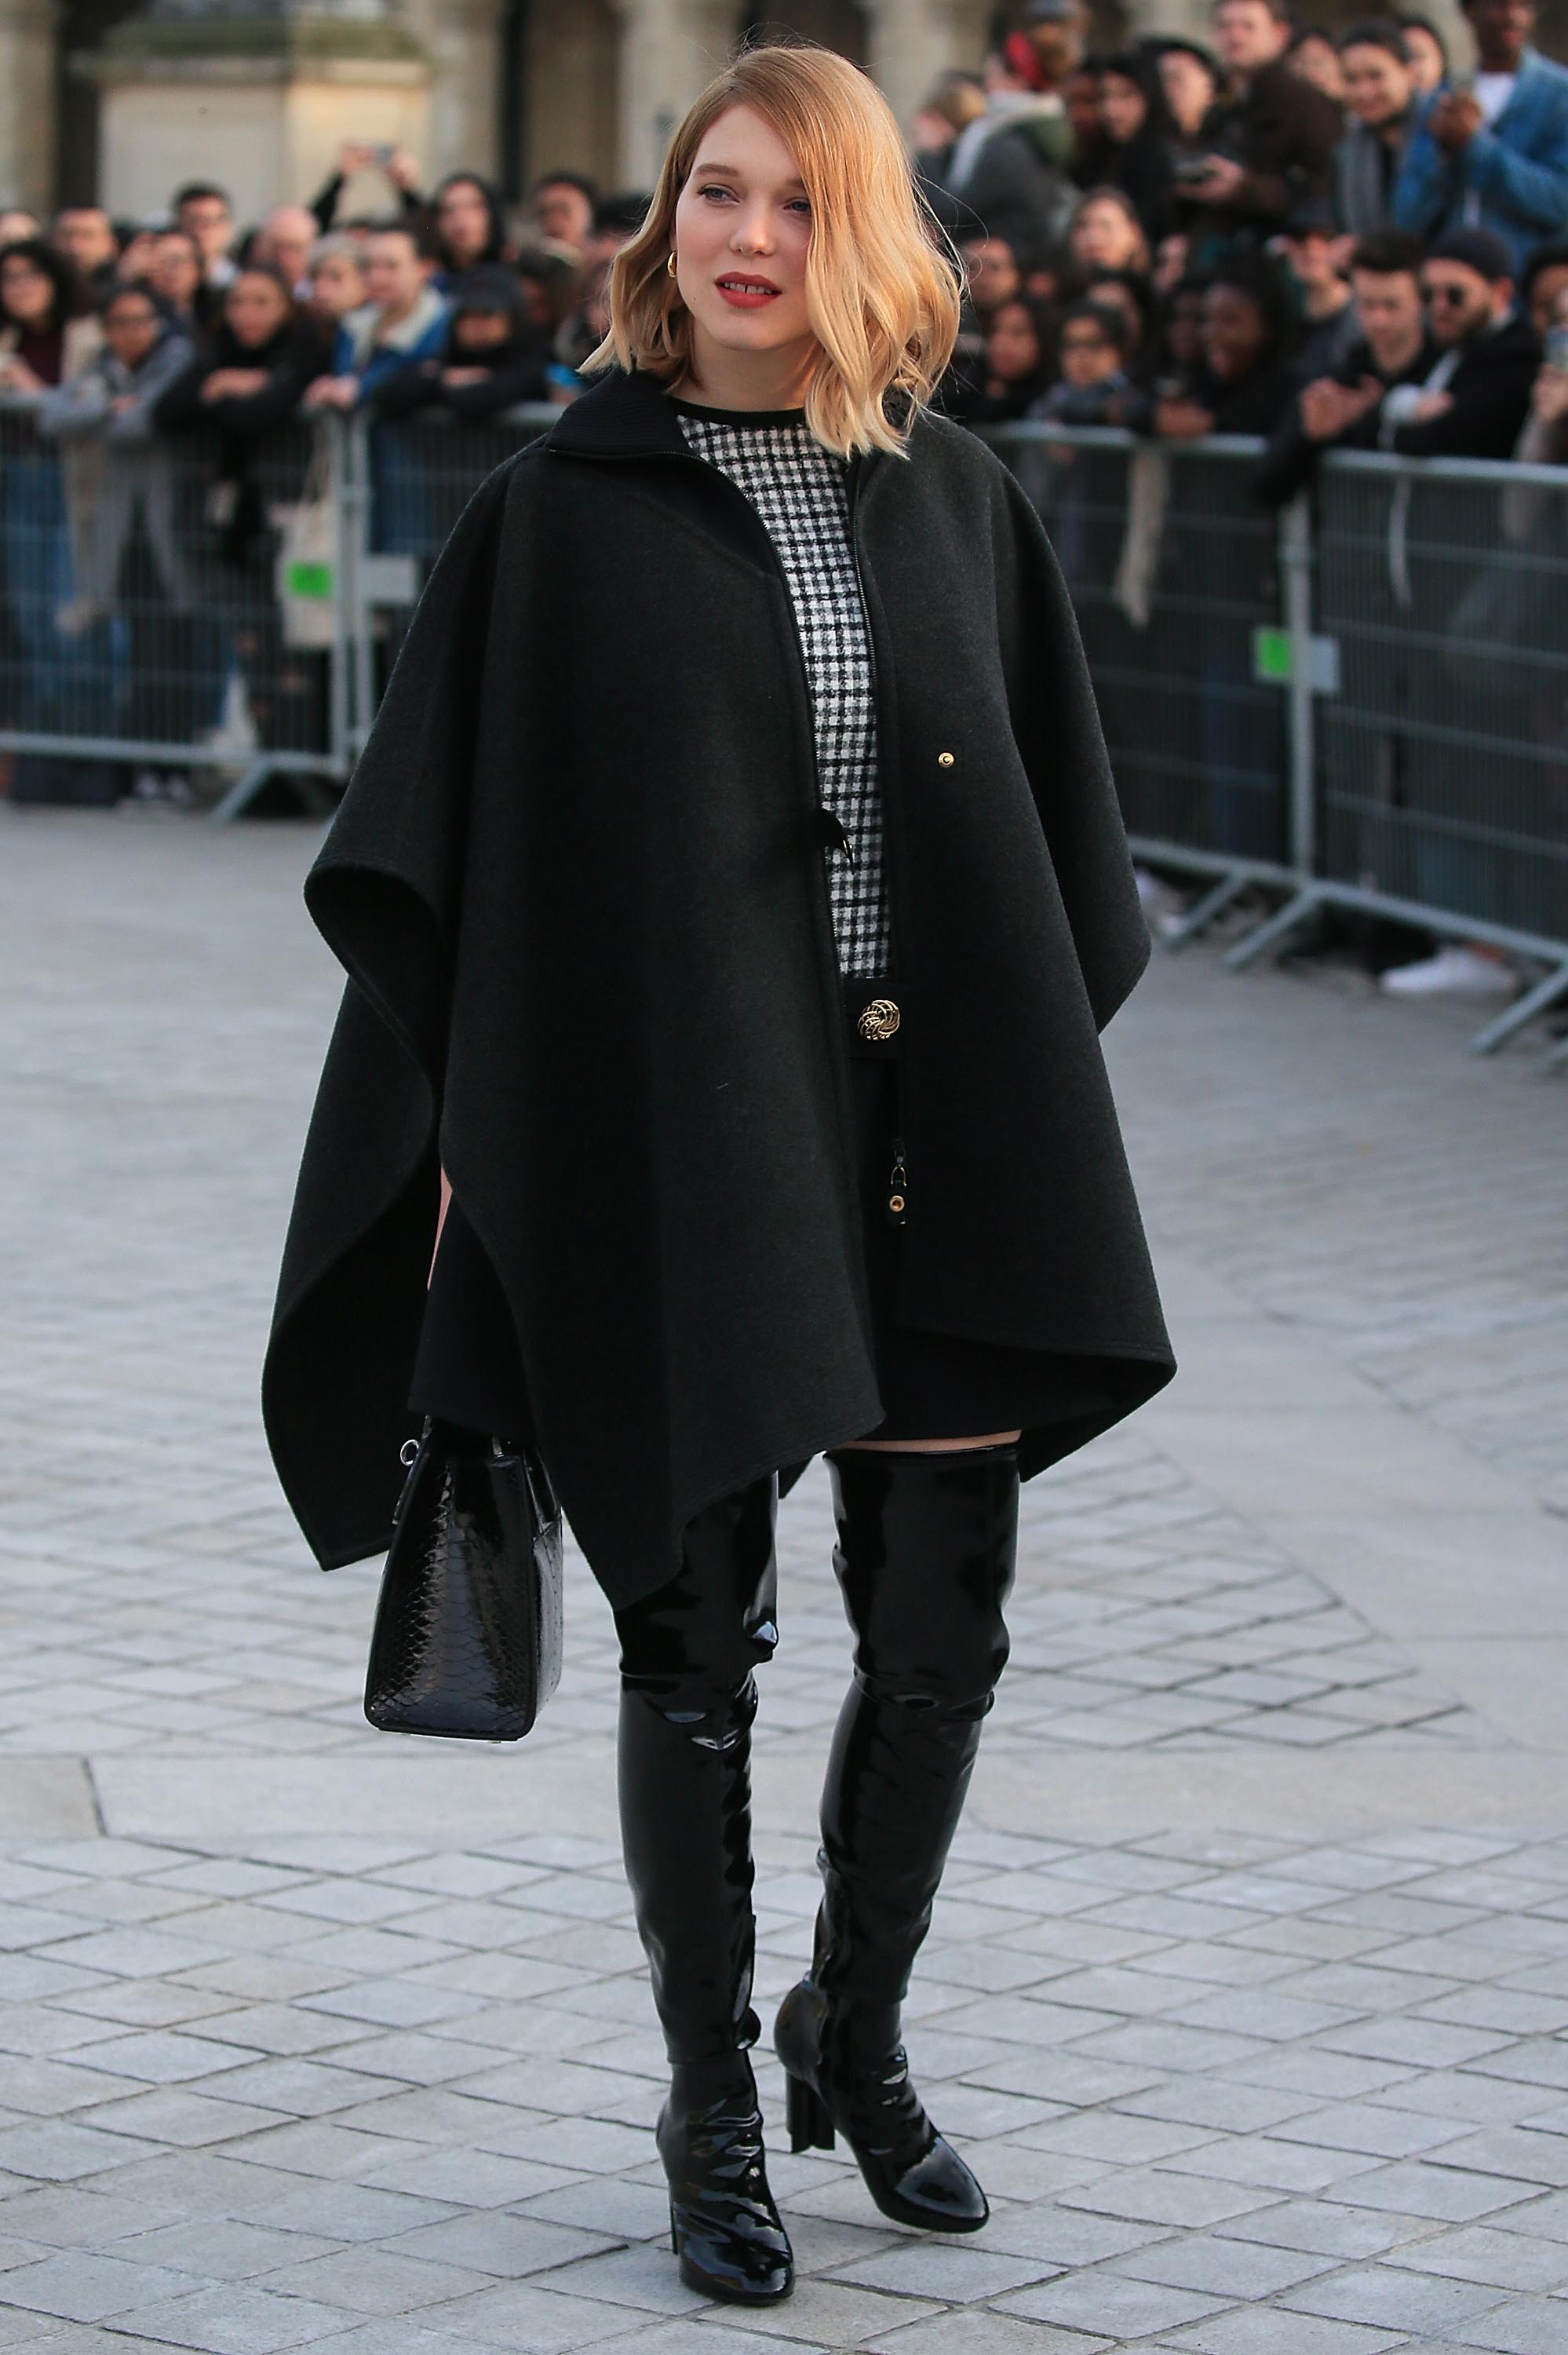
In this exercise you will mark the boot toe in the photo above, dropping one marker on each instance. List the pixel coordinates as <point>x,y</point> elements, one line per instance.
<point>938,2193</point>
<point>748,2263</point>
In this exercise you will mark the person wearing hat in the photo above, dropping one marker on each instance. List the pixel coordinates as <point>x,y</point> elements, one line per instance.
<point>1495,155</point>
<point>1477,396</point>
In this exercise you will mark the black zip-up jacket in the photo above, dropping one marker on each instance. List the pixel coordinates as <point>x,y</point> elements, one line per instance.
<point>577,883</point>
<point>1290,461</point>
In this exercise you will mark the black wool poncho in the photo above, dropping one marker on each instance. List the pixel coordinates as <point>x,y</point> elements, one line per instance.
<point>578,886</point>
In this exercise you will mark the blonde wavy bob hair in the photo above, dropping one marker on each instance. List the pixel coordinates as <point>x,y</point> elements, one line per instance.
<point>882,288</point>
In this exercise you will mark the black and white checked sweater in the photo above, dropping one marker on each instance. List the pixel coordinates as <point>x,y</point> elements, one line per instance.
<point>799,491</point>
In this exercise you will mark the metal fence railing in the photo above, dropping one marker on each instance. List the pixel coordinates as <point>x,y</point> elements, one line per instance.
<point>167,603</point>
<point>1359,702</point>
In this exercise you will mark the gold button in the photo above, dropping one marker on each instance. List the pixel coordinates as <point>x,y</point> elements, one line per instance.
<point>880,1019</point>
<point>943,759</point>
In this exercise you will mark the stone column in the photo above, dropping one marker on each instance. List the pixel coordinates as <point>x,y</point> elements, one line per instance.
<point>912,41</point>
<point>669,50</point>
<point>27,37</point>
<point>464,39</point>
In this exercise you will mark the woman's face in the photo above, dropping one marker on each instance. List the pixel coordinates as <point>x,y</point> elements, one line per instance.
<point>337,285</point>
<point>1012,346</point>
<point>1427,67</point>
<point>742,232</point>
<point>26,292</point>
<point>1189,89</point>
<point>255,308</point>
<point>1236,332</point>
<point>1103,238</point>
<point>463,222</point>
<point>131,327</point>
<point>481,331</point>
<point>1377,86</point>
<point>1088,355</point>
<point>1124,110</point>
<point>992,270</point>
<point>1317,60</point>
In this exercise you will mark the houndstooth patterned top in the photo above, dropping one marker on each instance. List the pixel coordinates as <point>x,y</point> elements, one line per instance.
<point>799,491</point>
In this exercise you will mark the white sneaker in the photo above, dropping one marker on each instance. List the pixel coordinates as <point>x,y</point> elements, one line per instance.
<point>1455,971</point>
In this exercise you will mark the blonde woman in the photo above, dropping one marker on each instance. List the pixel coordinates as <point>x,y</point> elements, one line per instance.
<point>730,892</point>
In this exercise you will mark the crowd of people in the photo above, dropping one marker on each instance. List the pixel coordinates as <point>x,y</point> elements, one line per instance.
<point>1322,240</point>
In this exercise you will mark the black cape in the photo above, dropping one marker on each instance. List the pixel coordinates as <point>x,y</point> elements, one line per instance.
<point>578,886</point>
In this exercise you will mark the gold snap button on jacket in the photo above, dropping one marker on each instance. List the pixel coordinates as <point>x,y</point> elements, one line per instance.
<point>943,759</point>
<point>880,1019</point>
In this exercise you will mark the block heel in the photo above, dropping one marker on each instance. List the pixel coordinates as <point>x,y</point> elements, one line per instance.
<point>806,2113</point>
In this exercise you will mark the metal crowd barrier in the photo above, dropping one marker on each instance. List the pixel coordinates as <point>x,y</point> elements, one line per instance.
<point>1359,702</point>
<point>173,602</point>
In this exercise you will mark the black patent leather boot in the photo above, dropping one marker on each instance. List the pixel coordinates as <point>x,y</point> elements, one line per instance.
<point>688,1699</point>
<point>925,1553</point>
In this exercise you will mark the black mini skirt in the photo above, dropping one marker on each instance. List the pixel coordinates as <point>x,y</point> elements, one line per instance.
<point>933,1385</point>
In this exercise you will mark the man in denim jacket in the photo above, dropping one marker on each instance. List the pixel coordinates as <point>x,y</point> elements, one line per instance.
<point>1494,156</point>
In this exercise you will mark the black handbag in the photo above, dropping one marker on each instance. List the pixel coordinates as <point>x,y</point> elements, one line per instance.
<point>467,1638</point>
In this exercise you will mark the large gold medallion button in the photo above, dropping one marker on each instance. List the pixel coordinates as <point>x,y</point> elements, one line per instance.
<point>879,1019</point>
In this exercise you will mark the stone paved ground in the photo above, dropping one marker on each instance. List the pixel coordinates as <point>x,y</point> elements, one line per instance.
<point>1248,1989</point>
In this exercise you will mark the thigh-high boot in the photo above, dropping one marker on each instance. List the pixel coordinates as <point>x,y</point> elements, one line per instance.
<point>687,1701</point>
<point>926,1547</point>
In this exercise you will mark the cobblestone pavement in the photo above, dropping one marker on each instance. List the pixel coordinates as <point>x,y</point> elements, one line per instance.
<point>1248,1987</point>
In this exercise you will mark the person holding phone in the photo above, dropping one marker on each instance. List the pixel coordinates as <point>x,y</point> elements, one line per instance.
<point>1492,152</point>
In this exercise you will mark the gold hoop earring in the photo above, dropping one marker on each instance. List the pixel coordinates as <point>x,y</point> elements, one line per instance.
<point>670,262</point>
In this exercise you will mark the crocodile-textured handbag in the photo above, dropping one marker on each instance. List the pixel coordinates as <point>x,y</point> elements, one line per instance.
<point>468,1628</point>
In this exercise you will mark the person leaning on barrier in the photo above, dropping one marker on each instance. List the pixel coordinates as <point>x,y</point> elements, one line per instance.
<point>247,378</point>
<point>1473,400</point>
<point>494,357</point>
<point>121,493</point>
<point>1243,381</point>
<point>404,321</point>
<point>1095,386</point>
<point>1338,410</point>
